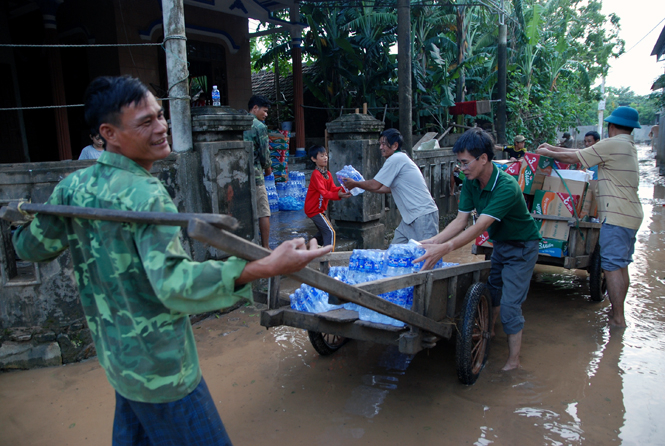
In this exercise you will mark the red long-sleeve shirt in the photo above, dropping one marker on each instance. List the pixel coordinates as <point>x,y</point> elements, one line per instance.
<point>319,192</point>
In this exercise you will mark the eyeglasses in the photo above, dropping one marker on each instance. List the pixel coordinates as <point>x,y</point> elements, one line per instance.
<point>466,165</point>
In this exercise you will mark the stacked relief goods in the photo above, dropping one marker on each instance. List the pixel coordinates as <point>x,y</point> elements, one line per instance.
<point>367,265</point>
<point>294,192</point>
<point>271,190</point>
<point>552,188</point>
<point>279,155</point>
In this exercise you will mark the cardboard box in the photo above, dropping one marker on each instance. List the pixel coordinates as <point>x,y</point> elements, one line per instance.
<point>563,166</point>
<point>556,230</point>
<point>557,204</point>
<point>553,248</point>
<point>541,165</point>
<point>510,167</point>
<point>577,188</point>
<point>590,205</point>
<point>544,164</point>
<point>554,203</point>
<point>529,179</point>
<point>575,175</point>
<point>484,240</point>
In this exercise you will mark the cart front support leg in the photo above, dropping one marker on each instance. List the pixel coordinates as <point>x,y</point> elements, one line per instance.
<point>244,249</point>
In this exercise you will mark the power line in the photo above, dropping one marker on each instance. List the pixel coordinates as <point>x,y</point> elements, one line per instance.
<point>646,35</point>
<point>91,45</point>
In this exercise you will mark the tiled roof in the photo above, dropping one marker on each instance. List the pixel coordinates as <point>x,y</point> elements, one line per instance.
<point>263,83</point>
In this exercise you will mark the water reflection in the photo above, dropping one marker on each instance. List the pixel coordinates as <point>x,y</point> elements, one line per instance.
<point>367,398</point>
<point>287,225</point>
<point>559,431</point>
<point>643,357</point>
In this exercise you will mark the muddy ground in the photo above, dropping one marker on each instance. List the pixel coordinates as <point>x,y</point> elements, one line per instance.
<point>580,383</point>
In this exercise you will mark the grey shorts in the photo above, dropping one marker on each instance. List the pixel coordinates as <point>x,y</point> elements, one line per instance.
<point>262,204</point>
<point>424,227</point>
<point>510,276</point>
<point>617,245</point>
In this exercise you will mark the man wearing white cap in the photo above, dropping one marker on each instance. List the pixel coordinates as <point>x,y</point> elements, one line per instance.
<point>619,206</point>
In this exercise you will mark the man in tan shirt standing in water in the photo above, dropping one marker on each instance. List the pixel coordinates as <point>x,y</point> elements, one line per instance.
<point>619,206</point>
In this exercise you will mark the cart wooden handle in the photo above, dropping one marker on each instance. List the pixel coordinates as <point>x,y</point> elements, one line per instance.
<point>11,212</point>
<point>239,247</point>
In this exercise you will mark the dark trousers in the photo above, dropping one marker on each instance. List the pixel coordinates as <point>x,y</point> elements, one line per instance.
<point>326,234</point>
<point>192,420</point>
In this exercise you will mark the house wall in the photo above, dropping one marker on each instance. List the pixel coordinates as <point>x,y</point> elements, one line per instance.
<point>99,22</point>
<point>437,168</point>
<point>41,319</point>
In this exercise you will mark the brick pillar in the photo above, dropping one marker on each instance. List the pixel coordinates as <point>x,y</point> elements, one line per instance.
<point>354,140</point>
<point>219,173</point>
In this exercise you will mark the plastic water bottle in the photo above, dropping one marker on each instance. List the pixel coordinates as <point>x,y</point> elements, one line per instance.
<point>281,189</point>
<point>215,96</point>
<point>352,173</point>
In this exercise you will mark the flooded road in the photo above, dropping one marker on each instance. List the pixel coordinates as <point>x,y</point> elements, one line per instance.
<point>582,383</point>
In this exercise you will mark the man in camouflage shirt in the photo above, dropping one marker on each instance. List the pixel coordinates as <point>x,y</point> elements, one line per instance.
<point>258,136</point>
<point>137,284</point>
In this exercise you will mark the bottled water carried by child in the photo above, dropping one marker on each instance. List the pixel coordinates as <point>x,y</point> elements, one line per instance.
<point>352,173</point>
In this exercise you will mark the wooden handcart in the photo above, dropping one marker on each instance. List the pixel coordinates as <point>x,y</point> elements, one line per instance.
<point>447,302</point>
<point>583,253</point>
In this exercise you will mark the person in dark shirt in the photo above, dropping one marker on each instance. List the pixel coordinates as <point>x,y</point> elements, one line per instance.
<point>517,150</point>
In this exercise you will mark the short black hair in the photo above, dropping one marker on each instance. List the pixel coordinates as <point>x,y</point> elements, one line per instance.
<point>476,141</point>
<point>566,135</point>
<point>259,100</point>
<point>393,136</point>
<point>105,97</point>
<point>620,127</point>
<point>594,134</point>
<point>314,151</point>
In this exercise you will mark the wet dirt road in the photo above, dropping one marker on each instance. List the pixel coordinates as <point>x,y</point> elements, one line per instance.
<point>581,382</point>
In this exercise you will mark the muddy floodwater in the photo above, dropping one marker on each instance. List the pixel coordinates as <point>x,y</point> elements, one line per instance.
<point>580,383</point>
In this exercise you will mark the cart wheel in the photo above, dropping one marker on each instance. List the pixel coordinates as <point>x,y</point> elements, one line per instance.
<point>597,281</point>
<point>325,343</point>
<point>473,338</point>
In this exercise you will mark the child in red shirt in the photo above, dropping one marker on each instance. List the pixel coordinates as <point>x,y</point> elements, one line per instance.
<point>321,189</point>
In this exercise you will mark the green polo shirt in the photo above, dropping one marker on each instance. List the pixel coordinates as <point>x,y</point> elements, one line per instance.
<point>502,200</point>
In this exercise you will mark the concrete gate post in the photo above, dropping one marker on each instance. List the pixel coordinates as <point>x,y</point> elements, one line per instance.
<point>354,140</point>
<point>220,171</point>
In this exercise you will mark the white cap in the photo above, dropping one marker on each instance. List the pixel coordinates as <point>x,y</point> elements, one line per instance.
<point>214,87</point>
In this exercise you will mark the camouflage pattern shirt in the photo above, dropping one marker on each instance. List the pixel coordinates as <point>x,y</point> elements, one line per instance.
<point>258,136</point>
<point>137,284</point>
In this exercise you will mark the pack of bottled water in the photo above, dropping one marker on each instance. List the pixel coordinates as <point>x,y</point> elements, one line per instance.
<point>293,192</point>
<point>271,189</point>
<point>366,265</point>
<point>350,172</point>
<point>281,189</point>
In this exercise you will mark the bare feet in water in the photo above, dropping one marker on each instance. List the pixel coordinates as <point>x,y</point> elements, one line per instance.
<point>511,365</point>
<point>619,322</point>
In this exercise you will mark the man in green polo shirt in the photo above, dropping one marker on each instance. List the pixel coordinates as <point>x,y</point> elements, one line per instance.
<point>502,211</point>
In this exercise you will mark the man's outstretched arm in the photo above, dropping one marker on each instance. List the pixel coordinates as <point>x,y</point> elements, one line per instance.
<point>289,257</point>
<point>368,185</point>
<point>562,154</point>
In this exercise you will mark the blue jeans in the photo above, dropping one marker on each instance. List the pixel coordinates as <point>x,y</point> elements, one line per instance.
<point>192,420</point>
<point>510,276</point>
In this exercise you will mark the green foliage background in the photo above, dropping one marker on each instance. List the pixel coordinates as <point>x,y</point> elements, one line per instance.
<point>557,49</point>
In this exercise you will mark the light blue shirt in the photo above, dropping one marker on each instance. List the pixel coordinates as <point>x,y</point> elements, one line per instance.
<point>90,153</point>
